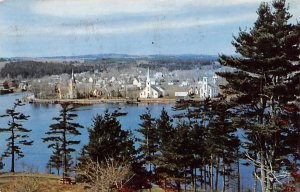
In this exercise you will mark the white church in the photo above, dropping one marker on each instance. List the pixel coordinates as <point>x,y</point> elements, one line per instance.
<point>151,91</point>
<point>207,88</point>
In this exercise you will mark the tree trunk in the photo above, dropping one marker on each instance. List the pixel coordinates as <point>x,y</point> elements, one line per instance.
<point>195,180</point>
<point>211,174</point>
<point>217,174</point>
<point>12,159</point>
<point>64,146</point>
<point>202,178</point>
<point>150,180</point>
<point>178,186</point>
<point>239,176</point>
<point>12,149</point>
<point>268,185</point>
<point>262,172</point>
<point>224,178</point>
<point>65,156</point>
<point>205,173</point>
<point>255,179</point>
<point>184,175</point>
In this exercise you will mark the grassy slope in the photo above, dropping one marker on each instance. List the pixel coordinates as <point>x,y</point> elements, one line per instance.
<point>43,182</point>
<point>40,182</point>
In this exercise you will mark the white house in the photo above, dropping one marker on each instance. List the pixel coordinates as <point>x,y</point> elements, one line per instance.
<point>181,94</point>
<point>136,83</point>
<point>194,90</point>
<point>150,91</point>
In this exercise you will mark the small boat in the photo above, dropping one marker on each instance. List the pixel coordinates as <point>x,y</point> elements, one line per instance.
<point>132,102</point>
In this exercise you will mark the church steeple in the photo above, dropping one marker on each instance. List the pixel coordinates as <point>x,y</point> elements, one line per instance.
<point>72,87</point>
<point>72,76</point>
<point>148,84</point>
<point>148,75</point>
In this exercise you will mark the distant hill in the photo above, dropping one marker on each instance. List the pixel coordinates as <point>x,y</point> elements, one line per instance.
<point>27,67</point>
<point>123,56</point>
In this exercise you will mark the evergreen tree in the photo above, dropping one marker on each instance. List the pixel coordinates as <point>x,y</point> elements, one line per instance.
<point>165,133</point>
<point>270,59</point>
<point>177,155</point>
<point>149,140</point>
<point>197,116</point>
<point>18,135</point>
<point>108,140</point>
<point>62,133</point>
<point>222,142</point>
<point>164,127</point>
<point>55,160</point>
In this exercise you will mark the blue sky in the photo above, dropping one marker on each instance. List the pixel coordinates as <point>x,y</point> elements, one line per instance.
<point>34,28</point>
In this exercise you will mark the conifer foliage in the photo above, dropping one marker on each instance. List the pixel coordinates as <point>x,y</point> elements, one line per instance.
<point>108,141</point>
<point>18,135</point>
<point>261,84</point>
<point>61,135</point>
<point>55,160</point>
<point>149,140</point>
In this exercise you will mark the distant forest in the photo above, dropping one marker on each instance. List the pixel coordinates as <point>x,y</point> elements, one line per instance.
<point>37,69</point>
<point>34,69</point>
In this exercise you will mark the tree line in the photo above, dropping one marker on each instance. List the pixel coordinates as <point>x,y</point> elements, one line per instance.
<point>200,147</point>
<point>36,69</point>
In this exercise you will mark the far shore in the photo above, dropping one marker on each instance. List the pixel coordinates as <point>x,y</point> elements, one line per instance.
<point>99,101</point>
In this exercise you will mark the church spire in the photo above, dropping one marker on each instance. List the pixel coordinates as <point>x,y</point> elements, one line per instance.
<point>148,75</point>
<point>72,77</point>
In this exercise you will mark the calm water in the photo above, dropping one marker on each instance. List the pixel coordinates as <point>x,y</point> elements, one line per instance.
<point>41,117</point>
<point>37,155</point>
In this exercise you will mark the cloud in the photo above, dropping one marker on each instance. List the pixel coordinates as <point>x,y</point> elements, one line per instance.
<point>134,27</point>
<point>87,8</point>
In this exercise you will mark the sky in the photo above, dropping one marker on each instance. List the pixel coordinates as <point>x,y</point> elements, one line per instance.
<point>40,28</point>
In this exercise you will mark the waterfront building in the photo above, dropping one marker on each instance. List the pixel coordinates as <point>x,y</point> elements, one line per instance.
<point>151,91</point>
<point>72,93</point>
<point>209,88</point>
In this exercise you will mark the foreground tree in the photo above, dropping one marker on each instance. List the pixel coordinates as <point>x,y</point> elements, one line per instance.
<point>61,134</point>
<point>18,135</point>
<point>55,160</point>
<point>107,140</point>
<point>222,143</point>
<point>261,85</point>
<point>149,140</point>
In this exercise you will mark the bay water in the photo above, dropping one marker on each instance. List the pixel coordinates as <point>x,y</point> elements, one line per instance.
<point>37,155</point>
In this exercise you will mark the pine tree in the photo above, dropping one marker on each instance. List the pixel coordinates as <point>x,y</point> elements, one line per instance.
<point>55,160</point>
<point>18,135</point>
<point>108,140</point>
<point>222,141</point>
<point>62,132</point>
<point>270,59</point>
<point>178,156</point>
<point>197,116</point>
<point>149,141</point>
<point>165,133</point>
<point>164,127</point>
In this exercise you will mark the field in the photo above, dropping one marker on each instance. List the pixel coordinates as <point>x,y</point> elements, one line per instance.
<point>21,182</point>
<point>29,182</point>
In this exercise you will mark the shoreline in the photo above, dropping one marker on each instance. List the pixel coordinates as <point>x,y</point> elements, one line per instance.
<point>101,101</point>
